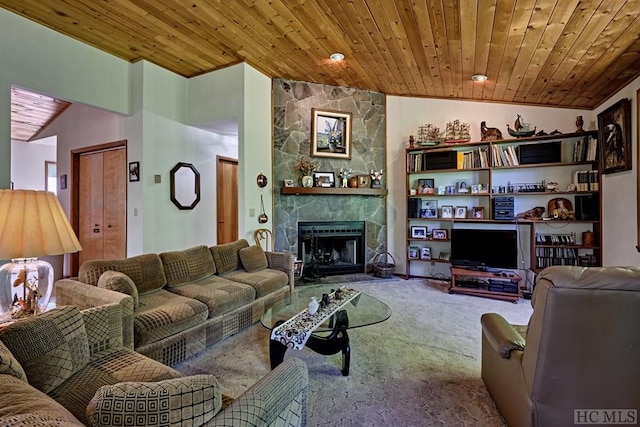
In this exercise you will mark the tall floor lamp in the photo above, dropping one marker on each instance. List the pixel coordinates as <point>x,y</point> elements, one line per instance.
<point>32,224</point>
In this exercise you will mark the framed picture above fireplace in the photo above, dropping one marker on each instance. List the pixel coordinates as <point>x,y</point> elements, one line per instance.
<point>330,134</point>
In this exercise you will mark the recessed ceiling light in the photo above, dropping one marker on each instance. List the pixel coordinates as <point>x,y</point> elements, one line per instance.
<point>336,56</point>
<point>478,77</point>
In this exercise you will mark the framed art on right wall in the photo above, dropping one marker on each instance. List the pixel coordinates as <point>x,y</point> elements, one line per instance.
<point>614,133</point>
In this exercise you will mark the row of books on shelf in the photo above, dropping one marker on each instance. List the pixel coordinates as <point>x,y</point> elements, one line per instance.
<point>585,149</point>
<point>588,260</point>
<point>556,239</point>
<point>586,180</point>
<point>472,159</point>
<point>505,156</point>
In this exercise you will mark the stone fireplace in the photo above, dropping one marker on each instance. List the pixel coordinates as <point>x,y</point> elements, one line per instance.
<point>293,102</point>
<point>332,247</point>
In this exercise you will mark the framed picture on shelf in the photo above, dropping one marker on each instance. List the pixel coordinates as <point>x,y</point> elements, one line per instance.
<point>450,190</point>
<point>462,186</point>
<point>475,188</point>
<point>483,188</point>
<point>288,183</point>
<point>425,253</point>
<point>614,133</point>
<point>418,232</point>
<point>461,212</point>
<point>330,134</point>
<point>444,256</point>
<point>447,212</point>
<point>477,212</point>
<point>429,209</point>
<point>426,186</point>
<point>442,190</point>
<point>413,252</point>
<point>324,179</point>
<point>440,234</point>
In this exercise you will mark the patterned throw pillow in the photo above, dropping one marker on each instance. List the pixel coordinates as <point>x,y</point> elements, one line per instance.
<point>50,347</point>
<point>226,256</point>
<point>253,258</point>
<point>9,365</point>
<point>187,401</point>
<point>119,282</point>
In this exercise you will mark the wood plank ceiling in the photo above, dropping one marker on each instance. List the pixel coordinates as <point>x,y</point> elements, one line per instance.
<point>565,53</point>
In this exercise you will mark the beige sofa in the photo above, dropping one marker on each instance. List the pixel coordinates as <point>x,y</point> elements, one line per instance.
<point>175,304</point>
<point>68,367</point>
<point>579,352</point>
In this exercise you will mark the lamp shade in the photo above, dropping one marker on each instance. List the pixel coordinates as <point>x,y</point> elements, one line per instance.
<point>33,224</point>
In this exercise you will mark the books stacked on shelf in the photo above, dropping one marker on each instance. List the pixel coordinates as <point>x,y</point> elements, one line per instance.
<point>585,149</point>
<point>472,159</point>
<point>586,180</point>
<point>547,256</point>
<point>505,156</point>
<point>556,239</point>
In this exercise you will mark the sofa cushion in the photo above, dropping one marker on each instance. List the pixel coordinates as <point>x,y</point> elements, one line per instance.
<point>185,266</point>
<point>184,401</point>
<point>105,368</point>
<point>226,256</point>
<point>50,347</point>
<point>23,405</point>
<point>119,282</point>
<point>219,294</point>
<point>145,270</point>
<point>253,258</point>
<point>9,365</point>
<point>263,281</point>
<point>163,313</point>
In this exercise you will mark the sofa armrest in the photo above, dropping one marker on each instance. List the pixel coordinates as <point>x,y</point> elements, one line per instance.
<point>282,261</point>
<point>191,400</point>
<point>104,327</point>
<point>82,295</point>
<point>282,391</point>
<point>501,335</point>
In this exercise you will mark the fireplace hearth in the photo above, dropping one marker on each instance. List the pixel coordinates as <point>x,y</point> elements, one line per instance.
<point>331,247</point>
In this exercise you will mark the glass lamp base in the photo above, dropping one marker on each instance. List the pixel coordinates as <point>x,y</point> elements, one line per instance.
<point>26,285</point>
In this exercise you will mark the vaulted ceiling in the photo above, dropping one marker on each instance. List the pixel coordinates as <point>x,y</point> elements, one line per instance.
<point>546,52</point>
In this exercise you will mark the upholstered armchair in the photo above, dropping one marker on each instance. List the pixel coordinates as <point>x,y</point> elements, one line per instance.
<point>580,351</point>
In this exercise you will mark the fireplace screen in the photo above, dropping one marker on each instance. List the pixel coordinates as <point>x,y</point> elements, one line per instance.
<point>331,247</point>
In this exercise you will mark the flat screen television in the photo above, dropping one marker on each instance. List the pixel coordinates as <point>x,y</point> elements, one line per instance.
<point>484,249</point>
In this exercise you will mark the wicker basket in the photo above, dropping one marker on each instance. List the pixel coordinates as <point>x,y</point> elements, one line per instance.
<point>383,269</point>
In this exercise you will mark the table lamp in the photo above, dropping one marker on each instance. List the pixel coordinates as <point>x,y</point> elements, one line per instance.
<point>32,224</point>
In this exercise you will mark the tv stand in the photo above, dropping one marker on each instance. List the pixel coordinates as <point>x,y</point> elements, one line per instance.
<point>491,283</point>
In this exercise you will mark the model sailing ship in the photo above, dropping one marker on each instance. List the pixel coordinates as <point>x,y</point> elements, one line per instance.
<point>457,132</point>
<point>521,129</point>
<point>429,135</point>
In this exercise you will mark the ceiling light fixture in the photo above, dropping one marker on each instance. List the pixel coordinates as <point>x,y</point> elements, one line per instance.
<point>336,56</point>
<point>478,77</point>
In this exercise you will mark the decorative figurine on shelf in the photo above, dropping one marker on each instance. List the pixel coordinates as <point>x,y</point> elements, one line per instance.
<point>489,134</point>
<point>520,128</point>
<point>412,142</point>
<point>579,123</point>
<point>344,176</point>
<point>375,178</point>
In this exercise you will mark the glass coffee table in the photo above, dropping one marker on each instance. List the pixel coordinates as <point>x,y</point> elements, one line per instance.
<point>329,337</point>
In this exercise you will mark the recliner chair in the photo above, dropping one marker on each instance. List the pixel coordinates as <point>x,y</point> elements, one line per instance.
<point>580,351</point>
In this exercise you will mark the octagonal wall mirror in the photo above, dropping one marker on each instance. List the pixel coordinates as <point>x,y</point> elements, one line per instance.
<point>185,186</point>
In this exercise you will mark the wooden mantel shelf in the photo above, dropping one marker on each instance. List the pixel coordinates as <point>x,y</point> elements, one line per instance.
<point>332,191</point>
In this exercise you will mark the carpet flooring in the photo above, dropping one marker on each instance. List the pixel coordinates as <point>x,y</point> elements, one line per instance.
<point>419,368</point>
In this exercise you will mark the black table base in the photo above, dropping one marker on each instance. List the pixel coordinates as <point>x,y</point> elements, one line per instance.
<point>336,341</point>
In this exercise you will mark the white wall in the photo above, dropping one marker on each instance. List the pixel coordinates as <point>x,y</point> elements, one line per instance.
<point>42,60</point>
<point>28,163</point>
<point>404,115</point>
<point>620,195</point>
